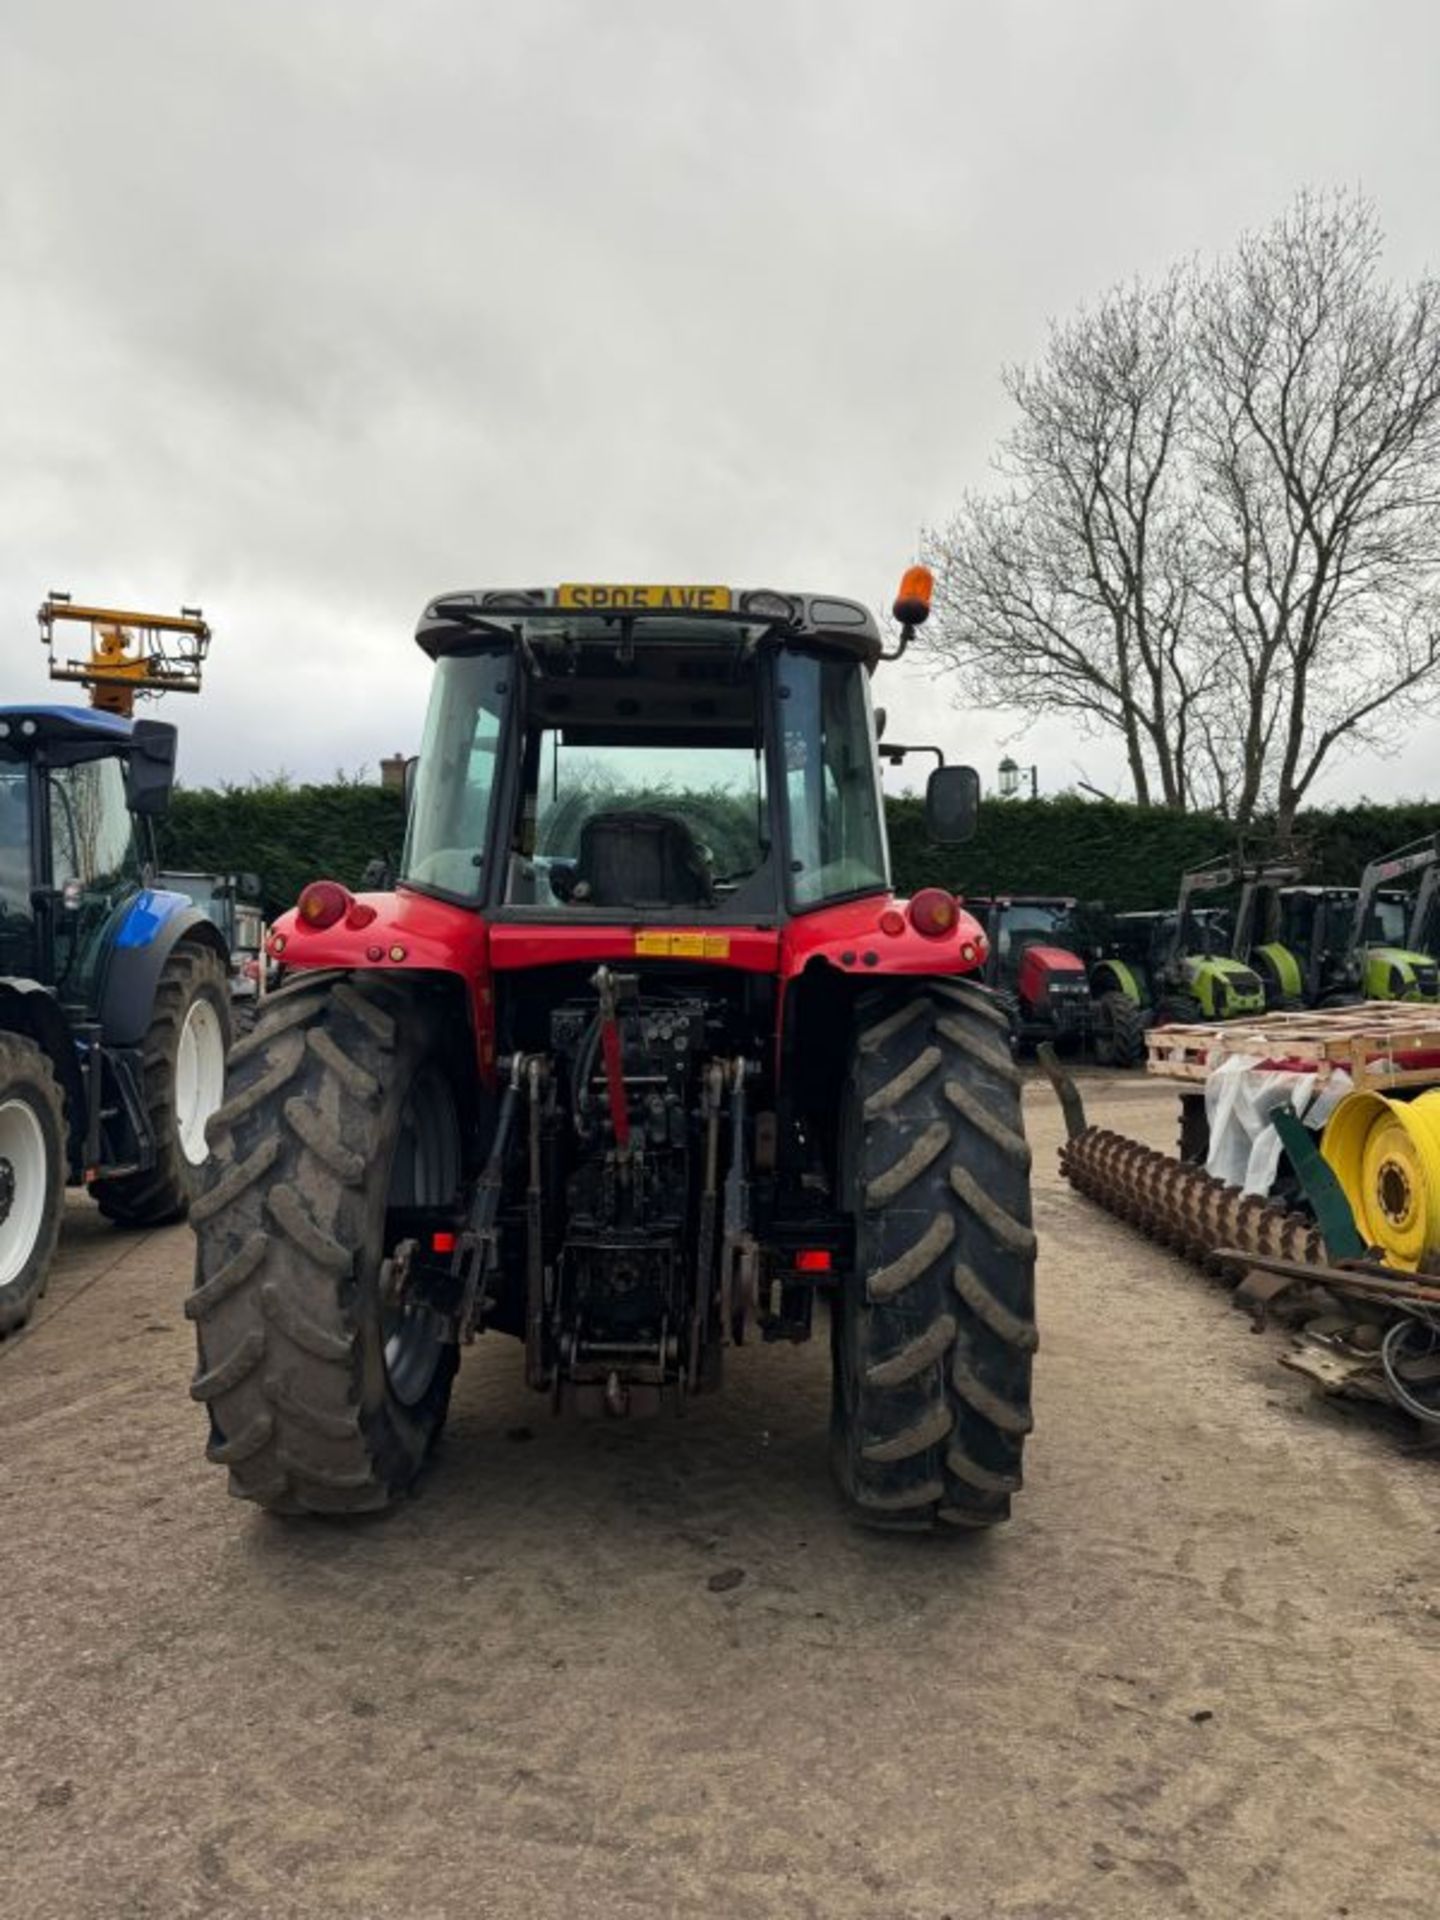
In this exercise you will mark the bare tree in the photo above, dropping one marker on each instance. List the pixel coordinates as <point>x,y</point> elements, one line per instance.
<point>1072,592</point>
<point>1317,443</point>
<point>1219,533</point>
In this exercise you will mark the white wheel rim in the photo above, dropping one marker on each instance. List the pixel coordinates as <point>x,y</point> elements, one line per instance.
<point>24,1178</point>
<point>199,1078</point>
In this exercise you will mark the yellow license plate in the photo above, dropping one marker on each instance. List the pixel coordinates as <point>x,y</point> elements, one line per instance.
<point>649,599</point>
<point>683,946</point>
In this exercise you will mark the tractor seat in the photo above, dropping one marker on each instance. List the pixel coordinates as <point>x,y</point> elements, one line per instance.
<point>640,860</point>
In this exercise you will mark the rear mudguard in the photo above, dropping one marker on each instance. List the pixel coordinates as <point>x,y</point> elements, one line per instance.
<point>1116,976</point>
<point>408,932</point>
<point>149,931</point>
<point>1281,967</point>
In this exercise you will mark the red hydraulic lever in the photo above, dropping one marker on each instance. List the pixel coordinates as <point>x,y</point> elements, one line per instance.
<point>614,1060</point>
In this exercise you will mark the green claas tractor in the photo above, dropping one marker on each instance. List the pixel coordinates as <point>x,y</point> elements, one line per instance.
<point>1371,942</point>
<point>1176,964</point>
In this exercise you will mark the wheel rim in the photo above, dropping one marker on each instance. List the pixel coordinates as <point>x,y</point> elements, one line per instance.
<point>199,1077</point>
<point>24,1186</point>
<point>425,1172</point>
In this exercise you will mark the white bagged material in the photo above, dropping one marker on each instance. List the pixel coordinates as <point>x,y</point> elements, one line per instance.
<point>1240,1097</point>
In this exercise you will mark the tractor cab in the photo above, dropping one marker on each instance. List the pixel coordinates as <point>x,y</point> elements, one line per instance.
<point>75,849</point>
<point>578,764</point>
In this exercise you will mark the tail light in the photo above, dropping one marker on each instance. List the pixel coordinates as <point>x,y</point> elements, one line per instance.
<point>321,904</point>
<point>813,1260</point>
<point>934,913</point>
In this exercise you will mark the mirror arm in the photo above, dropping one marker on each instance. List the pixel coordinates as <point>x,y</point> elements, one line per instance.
<point>896,753</point>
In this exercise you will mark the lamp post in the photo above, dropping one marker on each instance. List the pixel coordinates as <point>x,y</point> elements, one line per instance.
<point>1011,774</point>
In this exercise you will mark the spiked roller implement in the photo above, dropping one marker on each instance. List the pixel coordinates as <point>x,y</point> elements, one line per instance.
<point>1182,1205</point>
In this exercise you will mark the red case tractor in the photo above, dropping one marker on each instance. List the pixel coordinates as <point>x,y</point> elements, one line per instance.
<point>640,1057</point>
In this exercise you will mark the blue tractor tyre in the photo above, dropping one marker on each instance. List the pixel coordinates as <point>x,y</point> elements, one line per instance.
<point>33,1161</point>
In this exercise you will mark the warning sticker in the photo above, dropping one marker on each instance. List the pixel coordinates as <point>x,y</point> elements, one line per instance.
<point>658,944</point>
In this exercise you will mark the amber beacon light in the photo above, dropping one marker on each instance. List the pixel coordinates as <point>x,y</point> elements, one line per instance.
<point>912,602</point>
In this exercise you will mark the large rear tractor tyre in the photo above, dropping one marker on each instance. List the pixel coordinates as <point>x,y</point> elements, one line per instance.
<point>324,1394</point>
<point>184,1056</point>
<point>32,1175</point>
<point>1119,1031</point>
<point>934,1328</point>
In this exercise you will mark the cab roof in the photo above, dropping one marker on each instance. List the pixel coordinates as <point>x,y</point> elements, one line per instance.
<point>61,723</point>
<point>453,622</point>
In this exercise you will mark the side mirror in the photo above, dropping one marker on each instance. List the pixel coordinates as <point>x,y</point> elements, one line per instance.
<point>150,768</point>
<point>952,805</point>
<point>250,885</point>
<point>410,765</point>
<point>880,718</point>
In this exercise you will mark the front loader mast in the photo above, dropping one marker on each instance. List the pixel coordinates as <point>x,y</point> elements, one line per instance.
<point>1422,913</point>
<point>1256,882</point>
<point>1210,877</point>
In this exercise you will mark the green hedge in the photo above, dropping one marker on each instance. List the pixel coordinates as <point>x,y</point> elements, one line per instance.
<point>1099,850</point>
<point>1130,856</point>
<point>286,835</point>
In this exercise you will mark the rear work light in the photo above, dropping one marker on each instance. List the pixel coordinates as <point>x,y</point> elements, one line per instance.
<point>321,904</point>
<point>934,913</point>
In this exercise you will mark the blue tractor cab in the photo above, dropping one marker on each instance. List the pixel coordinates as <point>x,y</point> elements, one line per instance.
<point>114,1005</point>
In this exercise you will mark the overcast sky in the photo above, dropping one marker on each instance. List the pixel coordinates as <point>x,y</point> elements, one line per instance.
<point>311,310</point>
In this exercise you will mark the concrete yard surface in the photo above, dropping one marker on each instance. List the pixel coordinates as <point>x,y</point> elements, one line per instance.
<point>618,1671</point>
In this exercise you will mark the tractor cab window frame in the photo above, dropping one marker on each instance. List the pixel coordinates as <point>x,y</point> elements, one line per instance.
<point>1387,923</point>
<point>452,829</point>
<point>20,866</point>
<point>826,780</point>
<point>1033,921</point>
<point>96,858</point>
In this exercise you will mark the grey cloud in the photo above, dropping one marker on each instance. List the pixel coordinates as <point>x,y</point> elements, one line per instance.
<point>311,309</point>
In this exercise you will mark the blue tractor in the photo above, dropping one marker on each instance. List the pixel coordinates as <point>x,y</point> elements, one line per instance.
<point>115,1018</point>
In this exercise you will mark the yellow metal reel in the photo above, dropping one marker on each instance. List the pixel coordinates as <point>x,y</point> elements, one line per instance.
<point>1386,1156</point>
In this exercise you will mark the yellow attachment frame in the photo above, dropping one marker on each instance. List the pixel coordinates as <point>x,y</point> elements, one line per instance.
<point>130,653</point>
<point>1386,1155</point>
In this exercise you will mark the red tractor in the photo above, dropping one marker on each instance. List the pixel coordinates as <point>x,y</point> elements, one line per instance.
<point>639,1057</point>
<point>1035,967</point>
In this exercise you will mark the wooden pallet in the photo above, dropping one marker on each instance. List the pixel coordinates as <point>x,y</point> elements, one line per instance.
<point>1384,1043</point>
